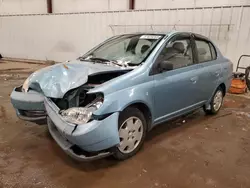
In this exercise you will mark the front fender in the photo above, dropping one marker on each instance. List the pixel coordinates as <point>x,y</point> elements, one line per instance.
<point>119,100</point>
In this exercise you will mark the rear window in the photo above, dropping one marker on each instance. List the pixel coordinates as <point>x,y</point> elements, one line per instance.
<point>206,51</point>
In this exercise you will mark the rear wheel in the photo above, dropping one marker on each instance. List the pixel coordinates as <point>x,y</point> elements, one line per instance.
<point>132,132</point>
<point>216,102</point>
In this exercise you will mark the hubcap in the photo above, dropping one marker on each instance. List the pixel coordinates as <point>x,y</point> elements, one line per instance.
<point>218,100</point>
<point>130,134</point>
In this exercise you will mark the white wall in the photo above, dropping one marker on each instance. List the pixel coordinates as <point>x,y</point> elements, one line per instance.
<point>67,36</point>
<point>22,6</point>
<point>162,4</point>
<point>60,6</point>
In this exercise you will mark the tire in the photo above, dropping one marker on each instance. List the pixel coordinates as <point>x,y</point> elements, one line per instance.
<point>213,108</point>
<point>136,139</point>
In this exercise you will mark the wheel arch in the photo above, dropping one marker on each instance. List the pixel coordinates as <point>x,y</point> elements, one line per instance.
<point>223,87</point>
<point>144,108</point>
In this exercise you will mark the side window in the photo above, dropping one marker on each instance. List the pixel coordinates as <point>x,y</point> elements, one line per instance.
<point>205,50</point>
<point>176,54</point>
<point>213,51</point>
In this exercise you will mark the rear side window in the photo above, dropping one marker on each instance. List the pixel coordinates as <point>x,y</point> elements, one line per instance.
<point>205,50</point>
<point>213,51</point>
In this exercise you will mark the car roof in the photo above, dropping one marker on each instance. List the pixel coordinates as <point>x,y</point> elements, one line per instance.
<point>169,33</point>
<point>147,33</point>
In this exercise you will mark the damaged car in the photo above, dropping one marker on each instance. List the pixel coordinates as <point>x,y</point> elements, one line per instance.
<point>106,101</point>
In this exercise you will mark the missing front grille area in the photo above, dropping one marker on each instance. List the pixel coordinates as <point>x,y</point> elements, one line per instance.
<point>32,113</point>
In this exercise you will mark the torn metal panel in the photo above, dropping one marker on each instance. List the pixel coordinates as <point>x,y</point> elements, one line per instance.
<point>56,80</point>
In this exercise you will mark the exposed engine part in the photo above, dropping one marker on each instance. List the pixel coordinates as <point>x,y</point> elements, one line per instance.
<point>101,78</point>
<point>79,98</point>
<point>75,98</point>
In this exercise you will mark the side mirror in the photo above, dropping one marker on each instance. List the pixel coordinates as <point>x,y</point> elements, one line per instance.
<point>165,66</point>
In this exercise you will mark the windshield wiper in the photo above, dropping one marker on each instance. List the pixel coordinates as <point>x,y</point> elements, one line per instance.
<point>103,60</point>
<point>94,59</point>
<point>100,60</point>
<point>82,58</point>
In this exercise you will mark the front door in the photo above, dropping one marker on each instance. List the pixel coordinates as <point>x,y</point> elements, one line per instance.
<point>175,82</point>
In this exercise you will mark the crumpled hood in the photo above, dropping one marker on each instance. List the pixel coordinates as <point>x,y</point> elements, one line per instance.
<point>56,80</point>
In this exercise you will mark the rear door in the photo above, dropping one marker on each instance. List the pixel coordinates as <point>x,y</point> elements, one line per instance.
<point>210,68</point>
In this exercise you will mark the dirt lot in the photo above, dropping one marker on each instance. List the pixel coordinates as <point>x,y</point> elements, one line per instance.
<point>197,151</point>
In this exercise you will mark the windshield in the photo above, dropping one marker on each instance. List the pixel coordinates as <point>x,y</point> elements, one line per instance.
<point>124,50</point>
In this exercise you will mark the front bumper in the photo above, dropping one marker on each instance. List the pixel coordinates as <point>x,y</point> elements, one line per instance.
<point>29,106</point>
<point>94,138</point>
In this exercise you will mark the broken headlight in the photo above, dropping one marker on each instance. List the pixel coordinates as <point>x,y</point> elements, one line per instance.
<point>81,115</point>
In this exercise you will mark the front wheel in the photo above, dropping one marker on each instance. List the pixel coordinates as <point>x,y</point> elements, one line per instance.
<point>216,102</point>
<point>132,132</point>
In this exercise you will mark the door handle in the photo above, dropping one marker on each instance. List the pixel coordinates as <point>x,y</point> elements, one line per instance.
<point>194,80</point>
<point>217,73</point>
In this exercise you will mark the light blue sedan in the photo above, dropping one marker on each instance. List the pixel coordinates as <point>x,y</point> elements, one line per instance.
<point>106,101</point>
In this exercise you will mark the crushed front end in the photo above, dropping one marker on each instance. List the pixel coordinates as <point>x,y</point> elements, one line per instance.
<point>76,129</point>
<point>59,82</point>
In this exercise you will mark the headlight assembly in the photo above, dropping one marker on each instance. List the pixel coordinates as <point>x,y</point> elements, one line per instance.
<point>81,115</point>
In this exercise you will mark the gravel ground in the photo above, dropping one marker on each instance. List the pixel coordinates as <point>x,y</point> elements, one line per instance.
<point>196,151</point>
